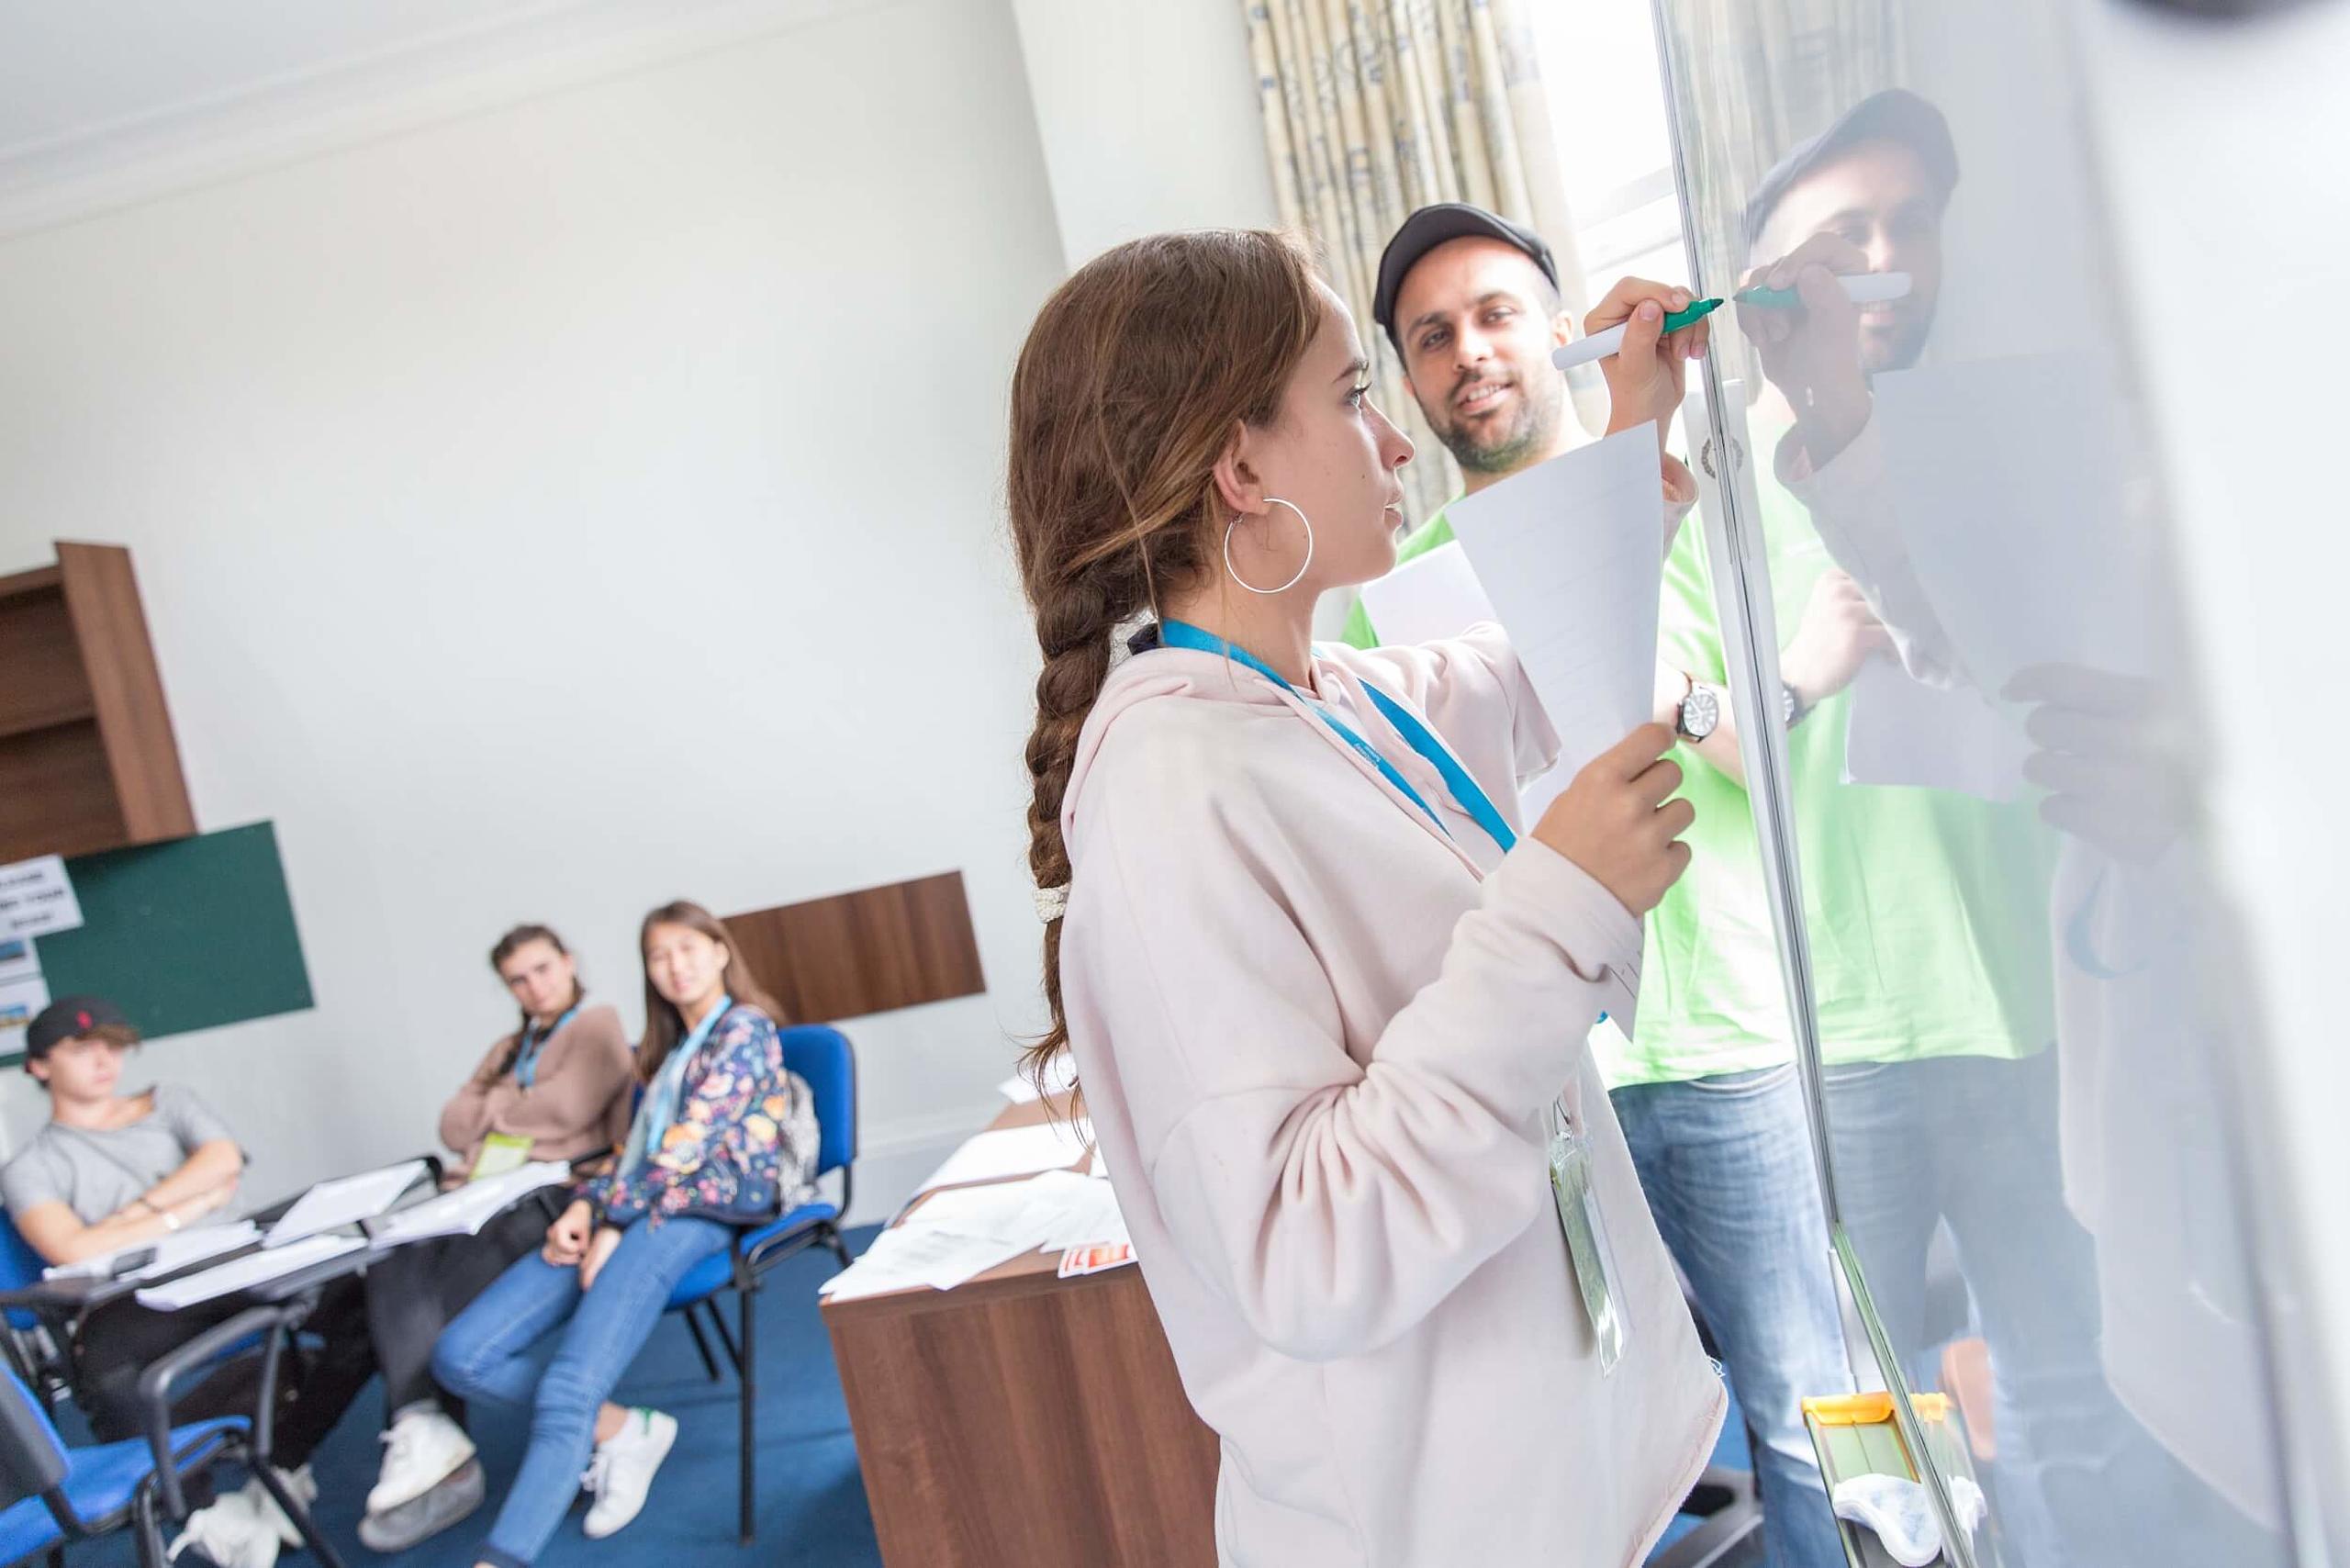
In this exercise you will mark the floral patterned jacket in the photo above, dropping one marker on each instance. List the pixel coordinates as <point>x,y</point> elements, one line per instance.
<point>743,1148</point>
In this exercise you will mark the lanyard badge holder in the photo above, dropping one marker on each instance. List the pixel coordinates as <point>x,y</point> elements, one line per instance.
<point>1578,1216</point>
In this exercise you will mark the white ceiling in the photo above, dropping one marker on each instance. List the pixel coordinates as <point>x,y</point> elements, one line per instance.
<point>107,102</point>
<point>71,69</point>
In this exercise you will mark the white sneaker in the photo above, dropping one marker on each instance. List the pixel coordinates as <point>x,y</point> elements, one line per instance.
<point>620,1473</point>
<point>423,1448</point>
<point>304,1488</point>
<point>229,1533</point>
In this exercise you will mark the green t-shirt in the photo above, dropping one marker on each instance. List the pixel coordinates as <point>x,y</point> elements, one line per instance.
<point>1927,909</point>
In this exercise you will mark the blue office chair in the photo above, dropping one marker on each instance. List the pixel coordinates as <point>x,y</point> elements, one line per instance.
<point>51,1493</point>
<point>19,1266</point>
<point>823,1057</point>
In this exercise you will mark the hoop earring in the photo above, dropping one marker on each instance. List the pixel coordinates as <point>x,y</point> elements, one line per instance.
<point>1297,577</point>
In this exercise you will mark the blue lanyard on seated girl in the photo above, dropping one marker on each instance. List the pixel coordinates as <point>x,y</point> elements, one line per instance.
<point>1465,790</point>
<point>527,1050</point>
<point>659,1111</point>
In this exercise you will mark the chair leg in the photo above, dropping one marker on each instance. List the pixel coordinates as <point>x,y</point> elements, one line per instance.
<point>747,1377</point>
<point>718,1321</point>
<point>693,1326</point>
<point>839,1246</point>
<point>146,1533</point>
<point>320,1548</point>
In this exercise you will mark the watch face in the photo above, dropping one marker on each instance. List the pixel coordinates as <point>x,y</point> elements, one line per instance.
<point>1701,712</point>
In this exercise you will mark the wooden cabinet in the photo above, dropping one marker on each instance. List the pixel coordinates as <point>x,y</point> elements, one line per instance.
<point>87,757</point>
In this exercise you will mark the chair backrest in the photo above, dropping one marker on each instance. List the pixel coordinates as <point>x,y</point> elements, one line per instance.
<point>19,1266</point>
<point>32,1456</point>
<point>823,1056</point>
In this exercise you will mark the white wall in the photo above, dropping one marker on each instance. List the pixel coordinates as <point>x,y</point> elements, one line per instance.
<point>1148,114</point>
<point>552,512</point>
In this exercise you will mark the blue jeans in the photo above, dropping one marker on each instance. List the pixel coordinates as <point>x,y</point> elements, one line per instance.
<point>485,1355</point>
<point>1728,1168</point>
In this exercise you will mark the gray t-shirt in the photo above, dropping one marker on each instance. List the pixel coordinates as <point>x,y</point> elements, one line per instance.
<point>94,1172</point>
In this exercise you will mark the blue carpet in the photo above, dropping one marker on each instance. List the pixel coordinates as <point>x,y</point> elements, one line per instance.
<point>812,1507</point>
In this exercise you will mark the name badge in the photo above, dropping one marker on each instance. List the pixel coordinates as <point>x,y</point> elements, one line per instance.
<point>1594,1262</point>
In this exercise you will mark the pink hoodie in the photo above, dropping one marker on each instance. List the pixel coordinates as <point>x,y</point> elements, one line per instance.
<point>1318,1039</point>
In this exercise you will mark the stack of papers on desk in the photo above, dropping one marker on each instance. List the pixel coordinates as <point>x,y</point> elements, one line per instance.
<point>1015,1152</point>
<point>1060,1076</point>
<point>956,1236</point>
<point>173,1251</point>
<point>244,1273</point>
<point>466,1210</point>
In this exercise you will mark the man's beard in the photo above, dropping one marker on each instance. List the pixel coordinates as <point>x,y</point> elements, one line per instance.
<point>1483,449</point>
<point>1901,349</point>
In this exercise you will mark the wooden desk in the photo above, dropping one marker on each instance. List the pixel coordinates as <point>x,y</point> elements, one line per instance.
<point>1023,1420</point>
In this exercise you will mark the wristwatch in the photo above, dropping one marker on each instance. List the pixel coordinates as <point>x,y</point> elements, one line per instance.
<point>1700,713</point>
<point>1791,707</point>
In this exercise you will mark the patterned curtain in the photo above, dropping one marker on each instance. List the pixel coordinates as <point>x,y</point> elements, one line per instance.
<point>1375,107</point>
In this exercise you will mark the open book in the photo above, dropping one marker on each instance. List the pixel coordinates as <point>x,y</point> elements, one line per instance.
<point>464,1211</point>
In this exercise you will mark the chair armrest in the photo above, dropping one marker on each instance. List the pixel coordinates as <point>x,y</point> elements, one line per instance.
<point>275,1324</point>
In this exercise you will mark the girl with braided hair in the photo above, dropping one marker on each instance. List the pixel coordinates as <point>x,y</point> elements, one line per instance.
<point>1327,997</point>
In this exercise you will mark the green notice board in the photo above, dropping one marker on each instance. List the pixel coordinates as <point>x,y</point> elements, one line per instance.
<point>188,935</point>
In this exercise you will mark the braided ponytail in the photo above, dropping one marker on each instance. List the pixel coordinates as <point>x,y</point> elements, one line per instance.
<point>1129,387</point>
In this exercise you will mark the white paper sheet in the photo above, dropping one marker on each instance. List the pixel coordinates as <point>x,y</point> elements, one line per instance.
<point>466,1210</point>
<point>37,896</point>
<point>1902,732</point>
<point>345,1200</point>
<point>1014,1151</point>
<point>912,1257</point>
<point>953,1236</point>
<point>1427,598</point>
<point>1067,1210</point>
<point>173,1251</point>
<point>1572,552</point>
<point>1060,1076</point>
<point>244,1273</point>
<point>1431,598</point>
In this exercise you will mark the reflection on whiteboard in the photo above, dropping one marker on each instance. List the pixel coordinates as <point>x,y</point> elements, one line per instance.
<point>2011,514</point>
<point>1900,731</point>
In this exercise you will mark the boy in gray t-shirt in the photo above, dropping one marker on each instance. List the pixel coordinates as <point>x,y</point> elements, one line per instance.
<point>99,1171</point>
<point>110,1170</point>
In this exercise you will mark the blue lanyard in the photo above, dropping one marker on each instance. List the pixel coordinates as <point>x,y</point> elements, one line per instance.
<point>657,1108</point>
<point>526,1055</point>
<point>1465,790</point>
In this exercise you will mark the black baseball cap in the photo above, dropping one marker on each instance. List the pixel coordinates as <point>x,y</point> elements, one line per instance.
<point>1896,114</point>
<point>1434,226</point>
<point>69,1018</point>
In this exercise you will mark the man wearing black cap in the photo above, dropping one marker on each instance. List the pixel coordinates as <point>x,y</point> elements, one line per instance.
<point>1471,303</point>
